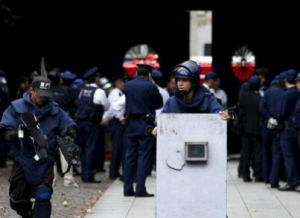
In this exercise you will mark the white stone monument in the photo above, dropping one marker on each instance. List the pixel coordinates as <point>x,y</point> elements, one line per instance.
<point>191,189</point>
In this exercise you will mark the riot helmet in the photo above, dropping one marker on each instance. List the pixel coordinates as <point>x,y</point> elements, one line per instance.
<point>188,70</point>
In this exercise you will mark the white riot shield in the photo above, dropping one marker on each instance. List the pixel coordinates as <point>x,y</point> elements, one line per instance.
<point>191,166</point>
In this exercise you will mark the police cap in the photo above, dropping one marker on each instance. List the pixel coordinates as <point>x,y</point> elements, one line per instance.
<point>67,75</point>
<point>42,86</point>
<point>291,75</point>
<point>211,75</point>
<point>156,73</point>
<point>144,69</point>
<point>91,72</point>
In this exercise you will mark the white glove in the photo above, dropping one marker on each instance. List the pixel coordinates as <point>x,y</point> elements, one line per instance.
<point>272,123</point>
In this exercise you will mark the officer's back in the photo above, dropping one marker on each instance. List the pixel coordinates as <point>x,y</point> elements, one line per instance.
<point>142,99</point>
<point>142,96</point>
<point>289,98</point>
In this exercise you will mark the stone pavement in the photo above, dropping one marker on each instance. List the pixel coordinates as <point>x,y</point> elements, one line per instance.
<point>244,200</point>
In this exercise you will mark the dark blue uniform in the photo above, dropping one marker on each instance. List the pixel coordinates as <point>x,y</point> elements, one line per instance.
<point>31,178</point>
<point>243,89</point>
<point>4,102</point>
<point>90,133</point>
<point>65,99</point>
<point>296,124</point>
<point>288,135</point>
<point>142,98</point>
<point>271,154</point>
<point>202,102</point>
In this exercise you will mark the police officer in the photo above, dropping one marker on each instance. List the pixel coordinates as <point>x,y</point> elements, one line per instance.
<point>249,119</point>
<point>62,93</point>
<point>189,96</point>
<point>4,102</point>
<point>262,73</point>
<point>296,119</point>
<point>92,104</point>
<point>156,76</point>
<point>32,178</point>
<point>288,134</point>
<point>270,135</point>
<point>116,129</point>
<point>209,81</point>
<point>142,99</point>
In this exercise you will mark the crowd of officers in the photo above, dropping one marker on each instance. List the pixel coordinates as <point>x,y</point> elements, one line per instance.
<point>268,120</point>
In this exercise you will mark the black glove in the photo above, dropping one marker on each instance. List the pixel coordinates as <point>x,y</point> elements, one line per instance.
<point>70,131</point>
<point>69,149</point>
<point>10,135</point>
<point>42,153</point>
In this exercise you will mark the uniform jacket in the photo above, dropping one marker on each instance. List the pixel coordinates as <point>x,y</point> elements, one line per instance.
<point>202,102</point>
<point>52,120</point>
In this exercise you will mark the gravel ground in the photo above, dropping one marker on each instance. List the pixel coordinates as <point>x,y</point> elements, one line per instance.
<point>66,201</point>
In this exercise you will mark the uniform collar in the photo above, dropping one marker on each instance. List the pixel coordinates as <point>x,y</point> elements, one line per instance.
<point>92,85</point>
<point>48,107</point>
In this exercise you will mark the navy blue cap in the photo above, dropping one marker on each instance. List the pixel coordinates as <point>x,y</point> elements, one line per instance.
<point>211,75</point>
<point>78,82</point>
<point>277,77</point>
<point>274,82</point>
<point>282,76</point>
<point>291,74</point>
<point>68,75</point>
<point>254,83</point>
<point>144,67</point>
<point>156,73</point>
<point>90,72</point>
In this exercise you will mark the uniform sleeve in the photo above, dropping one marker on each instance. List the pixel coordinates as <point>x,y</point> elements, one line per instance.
<point>283,107</point>
<point>101,99</point>
<point>166,108</point>
<point>118,107</point>
<point>65,120</point>
<point>224,99</point>
<point>263,109</point>
<point>213,105</point>
<point>113,97</point>
<point>156,98</point>
<point>9,119</point>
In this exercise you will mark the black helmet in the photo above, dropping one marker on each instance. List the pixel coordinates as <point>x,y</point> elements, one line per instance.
<point>188,70</point>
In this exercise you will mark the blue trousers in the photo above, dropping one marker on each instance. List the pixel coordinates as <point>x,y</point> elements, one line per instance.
<point>117,133</point>
<point>139,153</point>
<point>89,139</point>
<point>288,145</point>
<point>276,160</point>
<point>268,137</point>
<point>20,192</point>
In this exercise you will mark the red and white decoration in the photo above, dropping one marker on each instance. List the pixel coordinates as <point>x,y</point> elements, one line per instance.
<point>243,63</point>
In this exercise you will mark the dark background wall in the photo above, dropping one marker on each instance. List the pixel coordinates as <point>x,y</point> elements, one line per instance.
<point>79,35</point>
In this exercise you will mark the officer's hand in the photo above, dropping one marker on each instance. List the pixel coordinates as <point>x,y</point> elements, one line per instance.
<point>225,115</point>
<point>154,131</point>
<point>104,122</point>
<point>123,122</point>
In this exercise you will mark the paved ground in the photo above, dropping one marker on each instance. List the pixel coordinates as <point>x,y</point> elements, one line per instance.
<point>79,200</point>
<point>244,200</point>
